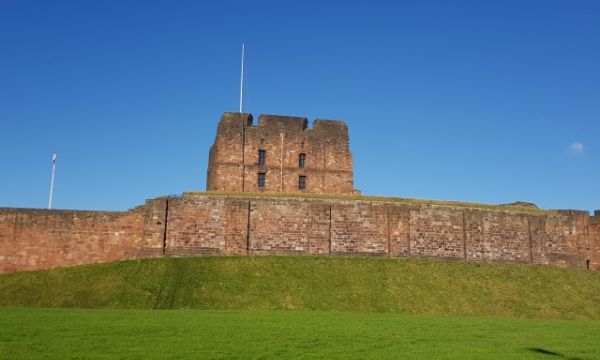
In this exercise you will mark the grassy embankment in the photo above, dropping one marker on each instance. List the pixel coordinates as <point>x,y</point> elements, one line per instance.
<point>314,283</point>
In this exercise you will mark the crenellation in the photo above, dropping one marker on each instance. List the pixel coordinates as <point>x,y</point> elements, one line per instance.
<point>278,123</point>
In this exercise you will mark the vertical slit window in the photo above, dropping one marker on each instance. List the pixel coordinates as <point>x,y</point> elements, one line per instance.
<point>302,160</point>
<point>262,179</point>
<point>262,154</point>
<point>302,182</point>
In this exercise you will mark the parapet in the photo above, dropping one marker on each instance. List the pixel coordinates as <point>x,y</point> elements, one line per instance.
<point>572,212</point>
<point>333,128</point>
<point>323,124</point>
<point>290,123</point>
<point>235,119</point>
<point>282,122</point>
<point>596,218</point>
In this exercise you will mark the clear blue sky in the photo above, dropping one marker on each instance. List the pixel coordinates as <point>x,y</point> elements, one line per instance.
<point>484,101</point>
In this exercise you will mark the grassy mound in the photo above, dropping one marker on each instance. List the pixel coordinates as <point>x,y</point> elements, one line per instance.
<point>313,283</point>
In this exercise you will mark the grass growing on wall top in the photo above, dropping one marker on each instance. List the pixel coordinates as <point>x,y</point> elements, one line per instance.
<point>514,208</point>
<point>314,283</point>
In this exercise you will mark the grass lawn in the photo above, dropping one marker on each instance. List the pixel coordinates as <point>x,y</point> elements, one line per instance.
<point>227,334</point>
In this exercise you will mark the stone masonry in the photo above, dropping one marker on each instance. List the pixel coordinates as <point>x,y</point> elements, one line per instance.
<point>198,224</point>
<point>281,150</point>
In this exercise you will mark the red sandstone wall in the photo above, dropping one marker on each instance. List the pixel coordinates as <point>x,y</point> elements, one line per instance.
<point>289,227</point>
<point>437,232</point>
<point>208,224</point>
<point>220,225</point>
<point>562,240</point>
<point>155,223</point>
<point>225,157</point>
<point>196,226</point>
<point>236,227</point>
<point>506,237</point>
<point>359,228</point>
<point>594,241</point>
<point>41,239</point>
<point>398,223</point>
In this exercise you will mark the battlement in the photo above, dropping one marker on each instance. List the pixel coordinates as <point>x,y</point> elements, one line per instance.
<point>572,212</point>
<point>286,123</point>
<point>330,125</point>
<point>280,154</point>
<point>282,123</point>
<point>232,120</point>
<point>596,216</point>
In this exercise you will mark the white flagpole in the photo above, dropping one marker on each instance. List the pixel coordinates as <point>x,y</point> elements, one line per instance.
<point>242,80</point>
<point>52,180</point>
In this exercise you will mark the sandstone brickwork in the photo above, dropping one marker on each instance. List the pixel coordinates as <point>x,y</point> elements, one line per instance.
<point>40,239</point>
<point>213,224</point>
<point>594,240</point>
<point>235,161</point>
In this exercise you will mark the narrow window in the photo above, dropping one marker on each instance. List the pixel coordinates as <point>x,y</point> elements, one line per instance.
<point>261,180</point>
<point>302,182</point>
<point>587,264</point>
<point>261,157</point>
<point>302,160</point>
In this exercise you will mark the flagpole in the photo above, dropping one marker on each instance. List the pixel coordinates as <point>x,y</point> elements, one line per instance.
<point>52,180</point>
<point>242,80</point>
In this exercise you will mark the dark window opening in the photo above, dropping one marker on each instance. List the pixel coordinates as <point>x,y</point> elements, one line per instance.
<point>302,161</point>
<point>302,182</point>
<point>262,157</point>
<point>261,180</point>
<point>587,264</point>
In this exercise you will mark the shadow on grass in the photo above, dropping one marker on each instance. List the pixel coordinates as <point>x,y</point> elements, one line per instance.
<point>552,353</point>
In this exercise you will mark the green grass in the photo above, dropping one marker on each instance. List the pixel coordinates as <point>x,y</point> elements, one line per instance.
<point>193,334</point>
<point>462,204</point>
<point>314,283</point>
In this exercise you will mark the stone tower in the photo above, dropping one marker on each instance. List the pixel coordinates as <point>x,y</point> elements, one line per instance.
<point>280,154</point>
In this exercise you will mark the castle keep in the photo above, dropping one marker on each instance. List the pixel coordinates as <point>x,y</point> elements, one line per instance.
<point>241,214</point>
<point>280,154</point>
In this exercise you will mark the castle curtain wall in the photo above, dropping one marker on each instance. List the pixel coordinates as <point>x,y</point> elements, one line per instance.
<point>42,239</point>
<point>200,224</point>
